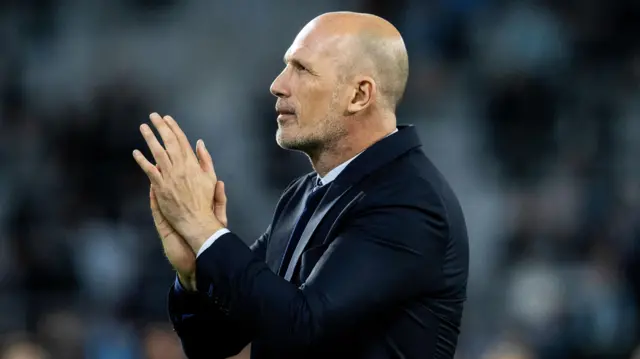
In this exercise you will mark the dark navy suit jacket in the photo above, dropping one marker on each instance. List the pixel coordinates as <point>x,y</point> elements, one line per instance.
<point>383,273</point>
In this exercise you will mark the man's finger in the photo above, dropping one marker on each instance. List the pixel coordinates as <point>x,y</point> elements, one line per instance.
<point>204,157</point>
<point>158,152</point>
<point>220,203</point>
<point>168,137</point>
<point>181,137</point>
<point>152,172</point>
<point>153,200</point>
<point>155,207</point>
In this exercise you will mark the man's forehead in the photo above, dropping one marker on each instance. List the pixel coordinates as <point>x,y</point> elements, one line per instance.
<point>297,51</point>
<point>304,45</point>
<point>310,44</point>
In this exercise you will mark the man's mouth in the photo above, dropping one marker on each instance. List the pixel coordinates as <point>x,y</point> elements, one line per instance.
<point>285,113</point>
<point>284,117</point>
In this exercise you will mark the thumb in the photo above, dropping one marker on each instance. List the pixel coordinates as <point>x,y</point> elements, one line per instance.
<point>205,160</point>
<point>220,203</point>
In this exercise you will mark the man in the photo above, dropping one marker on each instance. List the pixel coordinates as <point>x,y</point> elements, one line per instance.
<point>366,257</point>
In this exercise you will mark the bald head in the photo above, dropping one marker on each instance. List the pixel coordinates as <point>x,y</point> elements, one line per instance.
<point>344,76</point>
<point>366,44</point>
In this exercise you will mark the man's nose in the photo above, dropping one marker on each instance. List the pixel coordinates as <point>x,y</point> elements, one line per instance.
<point>278,87</point>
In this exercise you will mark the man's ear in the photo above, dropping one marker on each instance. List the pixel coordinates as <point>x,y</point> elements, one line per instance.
<point>363,94</point>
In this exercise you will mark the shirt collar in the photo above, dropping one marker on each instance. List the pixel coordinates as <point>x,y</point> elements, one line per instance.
<point>333,174</point>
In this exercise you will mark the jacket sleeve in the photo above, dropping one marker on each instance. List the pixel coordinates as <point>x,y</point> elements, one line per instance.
<point>205,330</point>
<point>384,256</point>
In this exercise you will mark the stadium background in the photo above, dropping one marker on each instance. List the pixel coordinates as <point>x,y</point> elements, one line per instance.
<point>530,108</point>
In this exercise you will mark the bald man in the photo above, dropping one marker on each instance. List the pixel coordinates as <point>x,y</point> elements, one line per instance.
<point>365,257</point>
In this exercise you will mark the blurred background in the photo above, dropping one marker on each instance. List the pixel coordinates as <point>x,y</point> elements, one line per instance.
<point>531,109</point>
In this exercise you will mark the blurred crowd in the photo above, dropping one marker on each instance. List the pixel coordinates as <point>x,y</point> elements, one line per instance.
<point>530,108</point>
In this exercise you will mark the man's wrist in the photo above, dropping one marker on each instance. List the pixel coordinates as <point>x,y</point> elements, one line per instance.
<point>202,234</point>
<point>185,283</point>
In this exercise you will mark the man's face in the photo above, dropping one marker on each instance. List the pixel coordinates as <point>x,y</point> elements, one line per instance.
<point>311,96</point>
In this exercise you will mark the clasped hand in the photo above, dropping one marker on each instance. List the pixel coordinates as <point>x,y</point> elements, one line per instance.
<point>182,184</point>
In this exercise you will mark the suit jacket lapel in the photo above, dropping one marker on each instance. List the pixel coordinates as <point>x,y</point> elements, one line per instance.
<point>310,256</point>
<point>283,226</point>
<point>333,195</point>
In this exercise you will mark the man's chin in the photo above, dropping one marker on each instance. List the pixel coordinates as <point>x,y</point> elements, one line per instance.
<point>288,142</point>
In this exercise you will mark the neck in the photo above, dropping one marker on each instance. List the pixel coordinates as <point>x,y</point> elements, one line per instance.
<point>345,148</point>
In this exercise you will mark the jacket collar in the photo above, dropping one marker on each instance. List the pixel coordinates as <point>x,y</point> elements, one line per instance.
<point>379,154</point>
